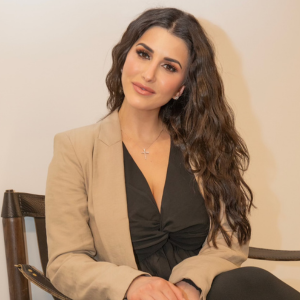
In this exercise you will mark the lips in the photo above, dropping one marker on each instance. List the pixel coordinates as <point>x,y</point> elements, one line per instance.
<point>143,87</point>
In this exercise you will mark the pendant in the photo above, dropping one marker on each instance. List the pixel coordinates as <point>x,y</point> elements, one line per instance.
<point>145,153</point>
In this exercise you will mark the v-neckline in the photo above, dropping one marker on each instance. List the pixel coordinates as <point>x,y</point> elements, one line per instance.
<point>145,180</point>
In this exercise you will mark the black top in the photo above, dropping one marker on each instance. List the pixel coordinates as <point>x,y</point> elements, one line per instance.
<point>162,240</point>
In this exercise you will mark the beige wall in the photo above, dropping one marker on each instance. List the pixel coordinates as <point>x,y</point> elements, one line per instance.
<point>54,56</point>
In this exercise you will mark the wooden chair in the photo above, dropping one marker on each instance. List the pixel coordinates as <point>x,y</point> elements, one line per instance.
<point>16,206</point>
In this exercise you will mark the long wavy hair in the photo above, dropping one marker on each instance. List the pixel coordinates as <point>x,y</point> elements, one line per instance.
<point>200,122</point>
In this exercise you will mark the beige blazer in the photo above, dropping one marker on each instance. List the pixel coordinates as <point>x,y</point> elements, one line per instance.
<point>90,250</point>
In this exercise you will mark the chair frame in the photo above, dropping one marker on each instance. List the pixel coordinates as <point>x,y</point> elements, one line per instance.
<point>16,206</point>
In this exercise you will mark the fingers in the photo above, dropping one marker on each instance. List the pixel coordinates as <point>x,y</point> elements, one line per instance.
<point>162,290</point>
<point>153,288</point>
<point>165,294</point>
<point>177,291</point>
<point>147,297</point>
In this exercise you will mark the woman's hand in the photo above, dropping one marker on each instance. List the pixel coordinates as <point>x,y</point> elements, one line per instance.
<point>189,291</point>
<point>149,288</point>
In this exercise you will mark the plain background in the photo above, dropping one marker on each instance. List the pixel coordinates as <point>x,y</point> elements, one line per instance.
<point>54,57</point>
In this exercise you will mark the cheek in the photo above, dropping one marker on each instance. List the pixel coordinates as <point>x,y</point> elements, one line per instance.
<point>169,84</point>
<point>131,65</point>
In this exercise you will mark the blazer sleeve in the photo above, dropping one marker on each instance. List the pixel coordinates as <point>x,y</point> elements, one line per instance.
<point>204,267</point>
<point>72,267</point>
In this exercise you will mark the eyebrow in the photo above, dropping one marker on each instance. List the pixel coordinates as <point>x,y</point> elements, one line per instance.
<point>165,58</point>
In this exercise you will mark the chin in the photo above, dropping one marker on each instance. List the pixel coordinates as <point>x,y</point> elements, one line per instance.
<point>140,104</point>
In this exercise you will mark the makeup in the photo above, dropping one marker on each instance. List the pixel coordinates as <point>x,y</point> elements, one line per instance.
<point>141,91</point>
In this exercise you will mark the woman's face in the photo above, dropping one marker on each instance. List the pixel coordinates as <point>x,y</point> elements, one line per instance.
<point>158,60</point>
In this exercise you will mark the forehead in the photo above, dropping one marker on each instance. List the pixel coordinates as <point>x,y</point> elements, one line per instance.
<point>164,43</point>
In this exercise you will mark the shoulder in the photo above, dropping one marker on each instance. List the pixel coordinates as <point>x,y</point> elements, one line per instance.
<point>81,140</point>
<point>85,134</point>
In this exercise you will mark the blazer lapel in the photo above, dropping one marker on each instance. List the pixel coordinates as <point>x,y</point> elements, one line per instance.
<point>109,194</point>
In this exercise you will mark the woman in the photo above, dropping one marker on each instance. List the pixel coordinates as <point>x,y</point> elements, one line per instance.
<point>150,203</point>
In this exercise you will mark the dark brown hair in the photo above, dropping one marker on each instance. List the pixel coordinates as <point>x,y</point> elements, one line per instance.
<point>200,122</point>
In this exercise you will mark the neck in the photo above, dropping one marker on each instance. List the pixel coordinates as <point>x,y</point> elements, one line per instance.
<point>140,125</point>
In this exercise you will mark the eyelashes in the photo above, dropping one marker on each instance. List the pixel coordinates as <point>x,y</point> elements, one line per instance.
<point>142,55</point>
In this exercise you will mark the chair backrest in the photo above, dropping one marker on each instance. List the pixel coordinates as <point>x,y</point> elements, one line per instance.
<point>15,207</point>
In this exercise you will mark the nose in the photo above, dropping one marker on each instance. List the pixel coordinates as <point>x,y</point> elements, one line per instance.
<point>149,73</point>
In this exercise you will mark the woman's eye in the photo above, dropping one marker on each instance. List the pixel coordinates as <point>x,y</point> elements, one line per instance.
<point>145,55</point>
<point>171,68</point>
<point>142,53</point>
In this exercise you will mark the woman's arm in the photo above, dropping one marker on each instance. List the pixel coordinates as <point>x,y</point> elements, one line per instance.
<point>210,262</point>
<point>72,267</point>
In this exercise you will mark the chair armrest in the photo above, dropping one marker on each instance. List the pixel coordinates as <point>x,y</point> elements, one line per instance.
<point>277,255</point>
<point>36,277</point>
